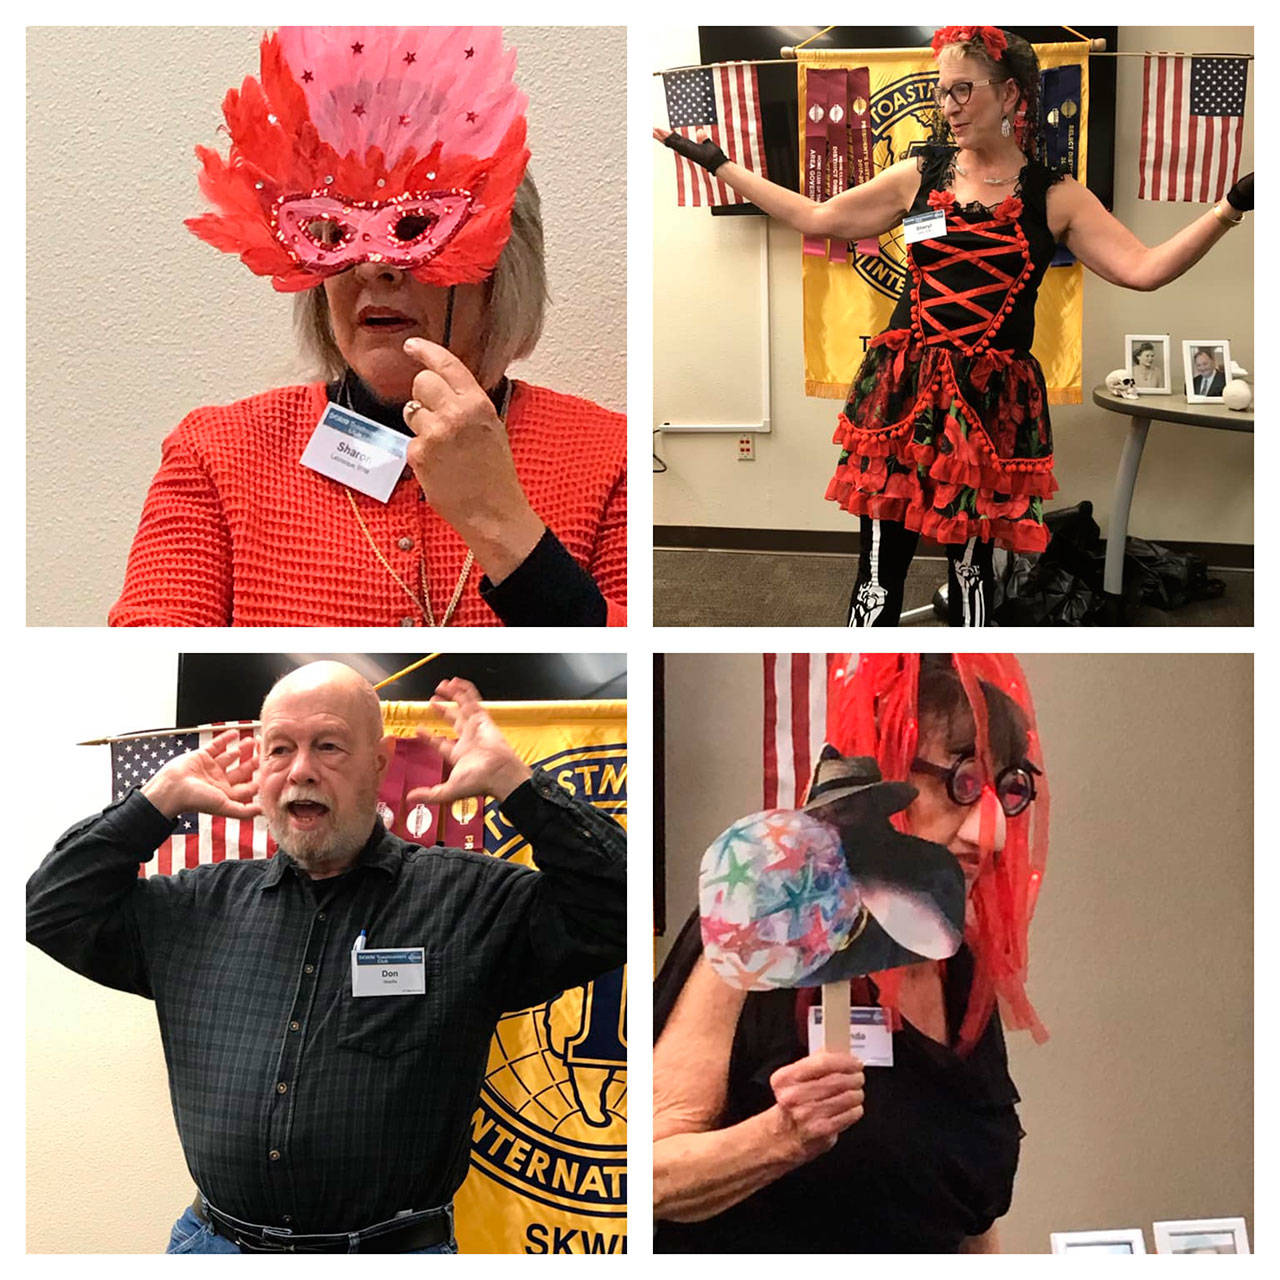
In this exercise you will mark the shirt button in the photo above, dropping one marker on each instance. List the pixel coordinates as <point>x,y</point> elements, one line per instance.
<point>308,968</point>
<point>293,1026</point>
<point>282,1087</point>
<point>275,1155</point>
<point>320,916</point>
<point>286,1218</point>
<point>405,544</point>
<point>407,622</point>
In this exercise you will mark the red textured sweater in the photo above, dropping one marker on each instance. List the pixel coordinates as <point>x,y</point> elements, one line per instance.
<point>235,532</point>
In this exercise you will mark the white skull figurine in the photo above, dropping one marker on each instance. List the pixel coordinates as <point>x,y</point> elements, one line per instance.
<point>1119,383</point>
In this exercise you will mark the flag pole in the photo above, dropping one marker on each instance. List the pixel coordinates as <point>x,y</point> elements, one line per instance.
<point>413,666</point>
<point>168,733</point>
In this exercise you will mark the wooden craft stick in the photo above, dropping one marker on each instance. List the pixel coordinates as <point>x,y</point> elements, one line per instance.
<point>835,1016</point>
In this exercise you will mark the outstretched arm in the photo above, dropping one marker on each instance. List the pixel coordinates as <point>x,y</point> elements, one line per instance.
<point>1109,249</point>
<point>867,210</point>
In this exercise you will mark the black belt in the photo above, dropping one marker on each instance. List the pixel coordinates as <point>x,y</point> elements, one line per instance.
<point>396,1235</point>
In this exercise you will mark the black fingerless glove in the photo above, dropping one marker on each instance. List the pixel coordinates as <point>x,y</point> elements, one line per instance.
<point>1240,197</point>
<point>707,154</point>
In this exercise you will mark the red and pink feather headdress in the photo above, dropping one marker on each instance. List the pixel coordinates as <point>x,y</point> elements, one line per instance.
<point>387,144</point>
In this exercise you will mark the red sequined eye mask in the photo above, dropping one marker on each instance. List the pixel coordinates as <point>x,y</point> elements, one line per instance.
<point>403,145</point>
<point>328,235</point>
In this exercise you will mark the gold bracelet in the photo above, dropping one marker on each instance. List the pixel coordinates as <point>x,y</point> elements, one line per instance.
<point>1222,217</point>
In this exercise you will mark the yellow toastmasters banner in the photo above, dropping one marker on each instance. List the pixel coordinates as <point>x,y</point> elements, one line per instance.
<point>848,301</point>
<point>549,1136</point>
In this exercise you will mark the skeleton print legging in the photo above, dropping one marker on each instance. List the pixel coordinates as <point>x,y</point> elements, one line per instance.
<point>887,549</point>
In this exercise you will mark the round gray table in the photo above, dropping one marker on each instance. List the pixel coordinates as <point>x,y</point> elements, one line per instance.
<point>1142,412</point>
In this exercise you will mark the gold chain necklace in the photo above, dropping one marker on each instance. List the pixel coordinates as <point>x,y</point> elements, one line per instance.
<point>423,605</point>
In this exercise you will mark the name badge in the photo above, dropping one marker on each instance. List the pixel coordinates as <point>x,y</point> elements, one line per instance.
<point>870,1040</point>
<point>401,971</point>
<point>924,226</point>
<point>356,451</point>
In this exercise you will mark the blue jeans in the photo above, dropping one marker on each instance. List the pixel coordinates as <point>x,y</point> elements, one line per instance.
<point>190,1235</point>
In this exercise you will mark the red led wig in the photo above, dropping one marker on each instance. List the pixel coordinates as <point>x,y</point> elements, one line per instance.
<point>872,711</point>
<point>369,144</point>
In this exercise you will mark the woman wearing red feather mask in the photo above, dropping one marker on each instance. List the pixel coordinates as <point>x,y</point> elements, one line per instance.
<point>761,1145</point>
<point>946,428</point>
<point>379,174</point>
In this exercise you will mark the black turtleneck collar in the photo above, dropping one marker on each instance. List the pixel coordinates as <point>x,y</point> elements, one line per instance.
<point>351,393</point>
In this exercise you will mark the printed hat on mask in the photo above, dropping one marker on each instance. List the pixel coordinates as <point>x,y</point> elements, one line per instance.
<point>796,898</point>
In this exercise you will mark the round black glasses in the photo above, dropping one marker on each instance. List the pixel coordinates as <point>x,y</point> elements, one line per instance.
<point>1015,786</point>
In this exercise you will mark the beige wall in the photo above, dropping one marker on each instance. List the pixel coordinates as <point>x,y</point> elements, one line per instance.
<point>1194,484</point>
<point>105,1173</point>
<point>132,321</point>
<point>1140,1106</point>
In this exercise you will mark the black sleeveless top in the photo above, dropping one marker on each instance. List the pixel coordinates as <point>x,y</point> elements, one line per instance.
<point>995,256</point>
<point>931,1162</point>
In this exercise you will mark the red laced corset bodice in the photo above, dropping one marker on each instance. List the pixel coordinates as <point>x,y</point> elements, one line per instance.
<point>946,428</point>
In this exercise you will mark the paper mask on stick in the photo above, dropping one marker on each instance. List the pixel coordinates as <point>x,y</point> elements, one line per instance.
<point>802,897</point>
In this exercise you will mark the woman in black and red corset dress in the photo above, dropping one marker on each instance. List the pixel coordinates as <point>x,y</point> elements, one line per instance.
<point>946,428</point>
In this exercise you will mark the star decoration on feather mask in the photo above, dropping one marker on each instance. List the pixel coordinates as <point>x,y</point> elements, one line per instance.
<point>357,48</point>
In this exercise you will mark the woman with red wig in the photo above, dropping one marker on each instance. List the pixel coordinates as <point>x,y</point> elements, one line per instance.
<point>378,174</point>
<point>946,428</point>
<point>762,1146</point>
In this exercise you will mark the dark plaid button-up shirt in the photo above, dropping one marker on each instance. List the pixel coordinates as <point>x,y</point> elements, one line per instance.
<point>298,1105</point>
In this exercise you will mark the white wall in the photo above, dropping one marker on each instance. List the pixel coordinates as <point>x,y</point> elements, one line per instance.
<point>105,1173</point>
<point>1140,1106</point>
<point>1194,484</point>
<point>132,321</point>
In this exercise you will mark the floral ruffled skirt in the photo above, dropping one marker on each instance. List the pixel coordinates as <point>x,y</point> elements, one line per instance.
<point>953,446</point>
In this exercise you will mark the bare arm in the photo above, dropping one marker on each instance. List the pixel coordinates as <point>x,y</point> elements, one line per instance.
<point>867,210</point>
<point>700,1170</point>
<point>987,1242</point>
<point>1109,249</point>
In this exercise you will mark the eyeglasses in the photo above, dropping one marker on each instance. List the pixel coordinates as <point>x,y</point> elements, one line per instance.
<point>1015,786</point>
<point>960,91</point>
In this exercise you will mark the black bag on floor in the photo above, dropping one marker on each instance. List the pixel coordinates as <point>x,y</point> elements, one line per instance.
<point>1168,579</point>
<point>1063,586</point>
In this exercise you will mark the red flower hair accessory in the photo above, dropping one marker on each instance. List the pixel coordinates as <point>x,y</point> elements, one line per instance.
<point>993,39</point>
<point>369,144</point>
<point>872,710</point>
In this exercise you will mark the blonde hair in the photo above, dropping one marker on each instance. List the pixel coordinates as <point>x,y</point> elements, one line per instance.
<point>514,306</point>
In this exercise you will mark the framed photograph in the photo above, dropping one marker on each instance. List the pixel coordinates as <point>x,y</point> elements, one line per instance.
<point>1206,365</point>
<point>1117,1240</point>
<point>1146,360</point>
<point>1201,1235</point>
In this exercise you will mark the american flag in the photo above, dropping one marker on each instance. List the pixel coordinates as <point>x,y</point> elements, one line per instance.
<point>199,838</point>
<point>1192,124</point>
<point>725,101</point>
<point>795,724</point>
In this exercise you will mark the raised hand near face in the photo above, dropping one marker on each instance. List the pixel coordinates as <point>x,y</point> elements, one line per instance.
<point>461,457</point>
<point>218,779</point>
<point>481,761</point>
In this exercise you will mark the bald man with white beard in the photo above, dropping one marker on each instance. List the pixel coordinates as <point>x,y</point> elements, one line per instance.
<point>322,1105</point>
